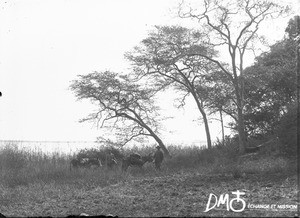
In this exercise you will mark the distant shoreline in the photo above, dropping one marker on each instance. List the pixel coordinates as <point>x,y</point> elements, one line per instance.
<point>69,147</point>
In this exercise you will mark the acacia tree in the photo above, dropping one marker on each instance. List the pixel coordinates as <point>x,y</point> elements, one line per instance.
<point>124,106</point>
<point>162,58</point>
<point>235,25</point>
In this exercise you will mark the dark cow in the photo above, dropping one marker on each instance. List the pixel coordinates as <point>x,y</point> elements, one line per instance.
<point>85,162</point>
<point>135,160</point>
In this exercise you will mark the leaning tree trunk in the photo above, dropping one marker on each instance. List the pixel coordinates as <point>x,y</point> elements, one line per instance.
<point>140,121</point>
<point>208,139</point>
<point>152,133</point>
<point>160,143</point>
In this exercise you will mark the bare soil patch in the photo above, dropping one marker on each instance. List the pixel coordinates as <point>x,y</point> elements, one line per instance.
<point>181,194</point>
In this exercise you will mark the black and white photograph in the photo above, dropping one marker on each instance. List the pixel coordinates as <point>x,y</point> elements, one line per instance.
<point>149,108</point>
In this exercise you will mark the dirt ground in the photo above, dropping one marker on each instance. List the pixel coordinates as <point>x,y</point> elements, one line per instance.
<point>182,194</point>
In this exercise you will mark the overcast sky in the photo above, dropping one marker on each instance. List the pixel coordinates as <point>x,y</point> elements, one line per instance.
<point>45,44</point>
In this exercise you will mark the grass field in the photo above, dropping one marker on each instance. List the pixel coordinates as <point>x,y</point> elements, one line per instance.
<point>35,184</point>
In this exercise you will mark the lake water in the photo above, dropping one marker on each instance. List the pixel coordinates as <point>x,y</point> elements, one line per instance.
<point>61,147</point>
<point>65,147</point>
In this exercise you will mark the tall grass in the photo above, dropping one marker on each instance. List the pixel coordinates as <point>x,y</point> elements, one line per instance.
<point>24,167</point>
<point>21,167</point>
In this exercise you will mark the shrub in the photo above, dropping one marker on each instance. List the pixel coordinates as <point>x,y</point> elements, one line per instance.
<point>99,153</point>
<point>207,156</point>
<point>287,131</point>
<point>183,157</point>
<point>229,148</point>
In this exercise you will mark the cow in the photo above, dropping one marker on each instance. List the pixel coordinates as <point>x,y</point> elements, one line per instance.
<point>85,162</point>
<point>135,160</point>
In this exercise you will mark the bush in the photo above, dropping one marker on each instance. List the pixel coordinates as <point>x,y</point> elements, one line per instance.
<point>99,153</point>
<point>207,156</point>
<point>191,157</point>
<point>287,131</point>
<point>229,149</point>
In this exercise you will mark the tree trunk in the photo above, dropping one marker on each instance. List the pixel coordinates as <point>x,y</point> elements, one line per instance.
<point>222,126</point>
<point>163,147</point>
<point>139,120</point>
<point>241,130</point>
<point>240,120</point>
<point>298,77</point>
<point>160,143</point>
<point>157,139</point>
<point>207,131</point>
<point>239,92</point>
<point>208,139</point>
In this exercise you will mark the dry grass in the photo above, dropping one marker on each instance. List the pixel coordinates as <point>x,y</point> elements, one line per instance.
<point>23,167</point>
<point>35,184</point>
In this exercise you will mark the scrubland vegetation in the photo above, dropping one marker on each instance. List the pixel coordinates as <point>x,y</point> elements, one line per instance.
<point>20,167</point>
<point>260,99</point>
<point>34,184</point>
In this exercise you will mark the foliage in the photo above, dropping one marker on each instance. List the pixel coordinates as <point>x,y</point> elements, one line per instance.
<point>100,153</point>
<point>293,28</point>
<point>221,95</point>
<point>270,85</point>
<point>229,148</point>
<point>123,105</point>
<point>287,131</point>
<point>39,167</point>
<point>184,158</point>
<point>163,58</point>
<point>234,25</point>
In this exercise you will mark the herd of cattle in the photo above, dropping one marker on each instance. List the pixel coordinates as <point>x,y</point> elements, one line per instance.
<point>110,161</point>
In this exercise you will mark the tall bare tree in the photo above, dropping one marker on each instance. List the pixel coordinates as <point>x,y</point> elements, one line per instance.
<point>123,106</point>
<point>233,25</point>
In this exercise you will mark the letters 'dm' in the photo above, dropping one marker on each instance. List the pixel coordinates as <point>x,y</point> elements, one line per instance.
<point>224,199</point>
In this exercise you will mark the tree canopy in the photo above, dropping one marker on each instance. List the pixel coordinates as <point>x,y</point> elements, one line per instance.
<point>188,61</point>
<point>125,106</point>
<point>233,25</point>
<point>163,57</point>
<point>271,85</point>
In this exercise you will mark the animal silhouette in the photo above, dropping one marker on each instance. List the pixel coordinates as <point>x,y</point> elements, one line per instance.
<point>135,160</point>
<point>85,162</point>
